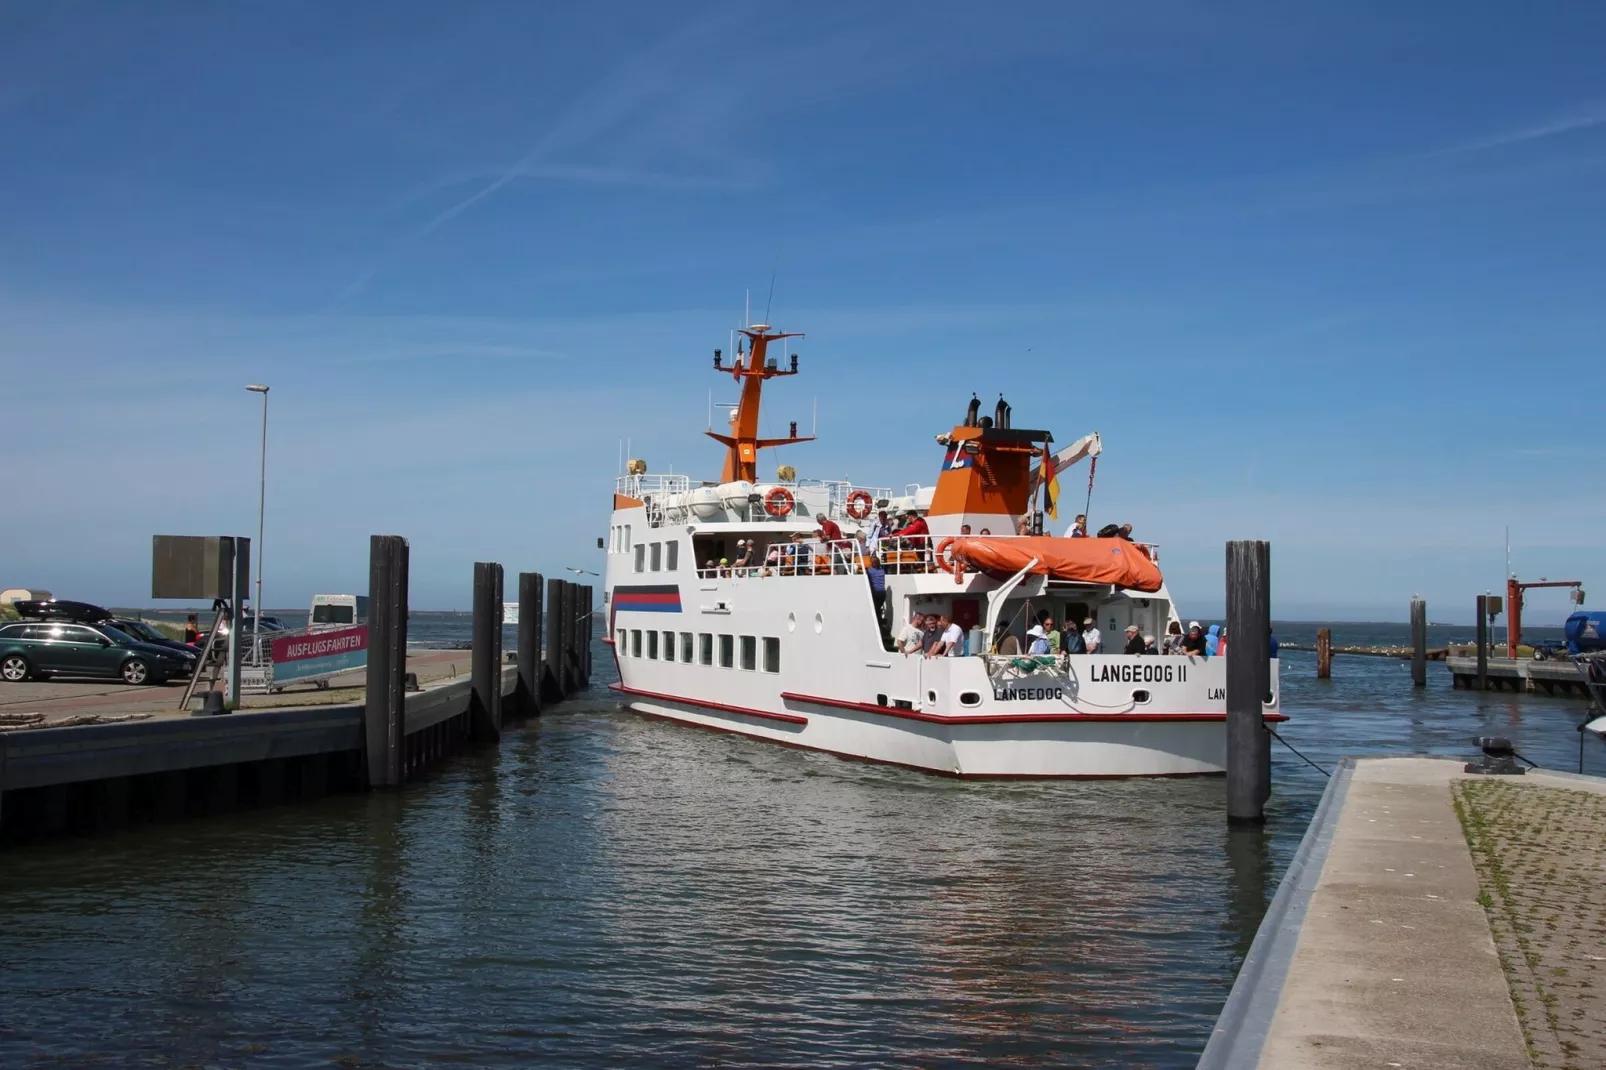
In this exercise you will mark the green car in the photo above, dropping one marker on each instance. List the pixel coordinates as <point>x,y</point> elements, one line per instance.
<point>58,648</point>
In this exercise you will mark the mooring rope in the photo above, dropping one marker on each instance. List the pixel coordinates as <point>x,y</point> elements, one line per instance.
<point>1307,761</point>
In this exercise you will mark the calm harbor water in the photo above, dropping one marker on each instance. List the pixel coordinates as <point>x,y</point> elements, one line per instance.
<point>604,890</point>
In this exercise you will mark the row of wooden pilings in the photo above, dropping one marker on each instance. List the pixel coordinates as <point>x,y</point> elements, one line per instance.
<point>1419,646</point>
<point>553,659</point>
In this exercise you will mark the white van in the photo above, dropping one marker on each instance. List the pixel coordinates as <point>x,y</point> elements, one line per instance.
<point>337,611</point>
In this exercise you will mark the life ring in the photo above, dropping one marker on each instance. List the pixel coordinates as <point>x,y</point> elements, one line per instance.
<point>778,502</point>
<point>859,504</point>
<point>943,562</point>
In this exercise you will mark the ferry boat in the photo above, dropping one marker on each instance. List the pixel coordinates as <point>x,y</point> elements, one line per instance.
<point>727,609</point>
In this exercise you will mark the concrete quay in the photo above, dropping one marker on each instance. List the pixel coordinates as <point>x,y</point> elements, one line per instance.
<point>86,758</point>
<point>1550,677</point>
<point>1431,918</point>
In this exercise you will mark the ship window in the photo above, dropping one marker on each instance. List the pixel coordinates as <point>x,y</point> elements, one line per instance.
<point>657,557</point>
<point>685,647</point>
<point>705,649</point>
<point>772,654</point>
<point>749,652</point>
<point>635,642</point>
<point>641,557</point>
<point>727,648</point>
<point>671,556</point>
<point>652,644</point>
<point>621,642</point>
<point>669,646</point>
<point>970,698</point>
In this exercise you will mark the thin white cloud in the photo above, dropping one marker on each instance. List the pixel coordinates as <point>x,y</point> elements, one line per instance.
<point>1584,117</point>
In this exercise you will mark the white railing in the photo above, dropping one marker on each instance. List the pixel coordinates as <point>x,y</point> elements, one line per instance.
<point>651,483</point>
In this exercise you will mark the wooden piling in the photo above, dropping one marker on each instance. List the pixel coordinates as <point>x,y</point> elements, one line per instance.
<point>1324,653</point>
<point>1248,679</point>
<point>485,700</point>
<point>566,640</point>
<point>587,628</point>
<point>551,682</point>
<point>1483,642</point>
<point>1419,643</point>
<point>529,690</point>
<point>384,718</point>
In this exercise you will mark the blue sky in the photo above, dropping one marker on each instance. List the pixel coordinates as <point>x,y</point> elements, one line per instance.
<point>1326,274</point>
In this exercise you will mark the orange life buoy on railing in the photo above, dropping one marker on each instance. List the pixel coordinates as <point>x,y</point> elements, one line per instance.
<point>947,562</point>
<point>778,502</point>
<point>859,503</point>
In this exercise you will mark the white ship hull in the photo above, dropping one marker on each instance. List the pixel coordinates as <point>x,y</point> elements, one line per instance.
<point>839,691</point>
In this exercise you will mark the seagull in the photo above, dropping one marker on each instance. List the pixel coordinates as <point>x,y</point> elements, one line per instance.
<point>580,571</point>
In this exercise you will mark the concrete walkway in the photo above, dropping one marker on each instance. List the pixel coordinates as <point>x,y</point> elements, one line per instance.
<point>59,700</point>
<point>1395,966</point>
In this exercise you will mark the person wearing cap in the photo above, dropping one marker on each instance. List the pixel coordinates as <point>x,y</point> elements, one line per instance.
<point>1134,640</point>
<point>724,566</point>
<point>913,524</point>
<point>1037,639</point>
<point>744,556</point>
<point>1193,644</point>
<point>1091,637</point>
<point>878,531</point>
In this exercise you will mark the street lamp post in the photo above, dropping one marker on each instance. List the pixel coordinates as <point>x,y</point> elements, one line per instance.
<point>262,501</point>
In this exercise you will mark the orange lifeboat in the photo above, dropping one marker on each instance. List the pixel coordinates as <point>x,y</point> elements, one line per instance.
<point>1113,561</point>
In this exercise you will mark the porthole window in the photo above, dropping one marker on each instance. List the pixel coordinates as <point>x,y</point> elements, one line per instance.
<point>791,622</point>
<point>931,697</point>
<point>819,624</point>
<point>970,698</point>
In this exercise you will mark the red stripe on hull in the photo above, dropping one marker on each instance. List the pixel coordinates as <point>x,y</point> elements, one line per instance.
<point>932,770</point>
<point>1006,718</point>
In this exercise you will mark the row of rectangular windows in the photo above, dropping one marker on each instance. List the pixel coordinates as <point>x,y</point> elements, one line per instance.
<point>635,643</point>
<point>661,556</point>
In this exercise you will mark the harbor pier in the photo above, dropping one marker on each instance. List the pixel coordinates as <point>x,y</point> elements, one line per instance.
<point>85,758</point>
<point>1430,918</point>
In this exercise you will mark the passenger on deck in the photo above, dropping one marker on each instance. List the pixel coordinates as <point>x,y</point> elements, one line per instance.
<point>1149,645</point>
<point>1134,641</point>
<point>1079,529</point>
<point>930,634</point>
<point>1221,643</point>
<point>1172,643</point>
<point>1004,641</point>
<point>1046,620</point>
<point>710,570</point>
<point>950,639</point>
<point>912,636</point>
<point>1023,526</point>
<point>1193,644</point>
<point>913,524</point>
<point>1071,640</point>
<point>878,590</point>
<point>724,566</point>
<point>984,531</point>
<point>1212,640</point>
<point>878,531</point>
<point>1091,636</point>
<point>829,530</point>
<point>744,557</point>
<point>964,529</point>
<point>1037,641</point>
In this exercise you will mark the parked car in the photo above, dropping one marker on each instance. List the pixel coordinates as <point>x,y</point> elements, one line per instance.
<point>41,649</point>
<point>144,633</point>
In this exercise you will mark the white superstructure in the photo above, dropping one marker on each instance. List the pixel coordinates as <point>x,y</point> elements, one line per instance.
<point>785,643</point>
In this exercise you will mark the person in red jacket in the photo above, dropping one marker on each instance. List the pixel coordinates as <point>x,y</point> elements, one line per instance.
<point>914,524</point>
<point>830,531</point>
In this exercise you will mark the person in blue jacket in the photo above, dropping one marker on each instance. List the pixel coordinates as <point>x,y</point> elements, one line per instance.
<point>1212,640</point>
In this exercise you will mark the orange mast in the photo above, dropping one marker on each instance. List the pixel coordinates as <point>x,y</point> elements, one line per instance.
<point>743,444</point>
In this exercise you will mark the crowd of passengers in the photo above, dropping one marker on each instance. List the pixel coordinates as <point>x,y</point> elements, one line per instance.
<point>830,550</point>
<point>935,635</point>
